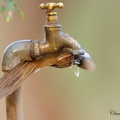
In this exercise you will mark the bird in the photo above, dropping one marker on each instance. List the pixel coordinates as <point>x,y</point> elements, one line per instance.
<point>13,78</point>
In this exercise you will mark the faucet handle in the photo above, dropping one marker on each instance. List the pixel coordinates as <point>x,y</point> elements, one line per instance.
<point>51,6</point>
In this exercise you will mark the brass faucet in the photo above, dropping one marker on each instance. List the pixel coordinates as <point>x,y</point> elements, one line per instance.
<point>22,58</point>
<point>55,40</point>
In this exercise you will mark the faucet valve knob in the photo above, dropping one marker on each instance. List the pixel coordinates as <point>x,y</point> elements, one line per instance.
<point>51,6</point>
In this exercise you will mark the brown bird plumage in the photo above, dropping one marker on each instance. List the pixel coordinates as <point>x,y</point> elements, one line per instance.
<point>13,79</point>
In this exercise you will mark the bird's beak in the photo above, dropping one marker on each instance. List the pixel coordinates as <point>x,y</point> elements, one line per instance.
<point>84,61</point>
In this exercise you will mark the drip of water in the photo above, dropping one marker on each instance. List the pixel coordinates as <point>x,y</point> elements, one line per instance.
<point>76,70</point>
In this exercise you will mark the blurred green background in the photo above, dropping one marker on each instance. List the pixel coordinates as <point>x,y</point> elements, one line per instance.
<point>57,94</point>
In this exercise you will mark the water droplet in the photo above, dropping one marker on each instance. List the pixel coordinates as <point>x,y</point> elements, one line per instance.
<point>76,70</point>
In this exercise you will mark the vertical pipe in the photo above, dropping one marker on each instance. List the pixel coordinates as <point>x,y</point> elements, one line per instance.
<point>14,108</point>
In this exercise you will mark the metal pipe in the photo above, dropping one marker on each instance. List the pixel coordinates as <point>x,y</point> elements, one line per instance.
<point>14,108</point>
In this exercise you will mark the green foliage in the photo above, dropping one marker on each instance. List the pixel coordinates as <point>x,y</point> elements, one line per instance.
<point>2,9</point>
<point>8,7</point>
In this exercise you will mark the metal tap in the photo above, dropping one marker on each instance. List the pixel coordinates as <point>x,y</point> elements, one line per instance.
<point>54,42</point>
<point>22,58</point>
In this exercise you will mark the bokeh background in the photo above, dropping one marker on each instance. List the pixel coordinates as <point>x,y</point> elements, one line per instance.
<point>57,94</point>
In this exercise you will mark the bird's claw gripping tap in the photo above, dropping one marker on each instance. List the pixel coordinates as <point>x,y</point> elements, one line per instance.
<point>58,49</point>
